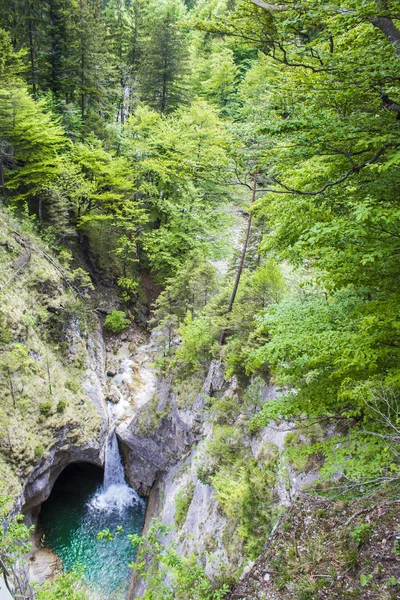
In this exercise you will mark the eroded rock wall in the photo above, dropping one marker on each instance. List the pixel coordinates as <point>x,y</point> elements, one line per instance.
<point>71,444</point>
<point>203,530</point>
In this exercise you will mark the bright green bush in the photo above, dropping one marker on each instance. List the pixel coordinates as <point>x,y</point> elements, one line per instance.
<point>197,338</point>
<point>171,575</point>
<point>244,492</point>
<point>5,333</point>
<point>116,321</point>
<point>361,533</point>
<point>61,406</point>
<point>39,450</point>
<point>65,587</point>
<point>183,500</point>
<point>45,408</point>
<point>129,288</point>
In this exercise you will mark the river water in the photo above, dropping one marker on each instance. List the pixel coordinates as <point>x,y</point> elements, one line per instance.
<point>80,506</point>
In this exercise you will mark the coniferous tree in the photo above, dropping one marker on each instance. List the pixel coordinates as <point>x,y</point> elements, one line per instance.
<point>21,18</point>
<point>10,68</point>
<point>92,80</point>
<point>165,56</point>
<point>125,32</point>
<point>55,46</point>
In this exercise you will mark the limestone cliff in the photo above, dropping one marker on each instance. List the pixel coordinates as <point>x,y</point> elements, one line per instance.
<point>166,449</point>
<point>51,368</point>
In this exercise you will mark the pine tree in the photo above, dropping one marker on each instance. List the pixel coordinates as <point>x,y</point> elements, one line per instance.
<point>125,32</point>
<point>10,68</point>
<point>21,18</point>
<point>91,82</point>
<point>54,54</point>
<point>165,56</point>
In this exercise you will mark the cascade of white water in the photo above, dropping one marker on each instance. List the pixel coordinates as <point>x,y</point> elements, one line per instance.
<point>113,467</point>
<point>115,493</point>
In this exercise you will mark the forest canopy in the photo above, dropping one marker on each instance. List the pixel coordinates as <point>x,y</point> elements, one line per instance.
<point>137,128</point>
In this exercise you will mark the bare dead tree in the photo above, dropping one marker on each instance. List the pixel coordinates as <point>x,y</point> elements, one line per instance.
<point>242,258</point>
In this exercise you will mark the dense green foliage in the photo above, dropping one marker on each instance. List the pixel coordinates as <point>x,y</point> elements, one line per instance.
<point>67,586</point>
<point>148,135</point>
<point>14,545</point>
<point>116,321</point>
<point>326,329</point>
<point>186,579</point>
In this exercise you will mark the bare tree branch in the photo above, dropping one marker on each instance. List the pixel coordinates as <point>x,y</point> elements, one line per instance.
<point>389,29</point>
<point>272,7</point>
<point>354,169</point>
<point>384,23</point>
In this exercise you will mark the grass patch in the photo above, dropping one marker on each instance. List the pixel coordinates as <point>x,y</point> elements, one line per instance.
<point>183,500</point>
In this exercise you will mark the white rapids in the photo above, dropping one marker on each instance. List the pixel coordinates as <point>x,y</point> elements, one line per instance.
<point>136,382</point>
<point>115,494</point>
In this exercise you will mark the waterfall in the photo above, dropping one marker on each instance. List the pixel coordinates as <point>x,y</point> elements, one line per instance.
<point>113,467</point>
<point>115,494</point>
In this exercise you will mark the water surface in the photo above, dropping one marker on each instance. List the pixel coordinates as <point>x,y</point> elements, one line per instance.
<point>71,519</point>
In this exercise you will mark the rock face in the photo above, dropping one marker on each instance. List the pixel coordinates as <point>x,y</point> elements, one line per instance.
<point>94,378</point>
<point>161,434</point>
<point>204,526</point>
<point>160,456</point>
<point>215,380</point>
<point>40,481</point>
<point>153,440</point>
<point>69,447</point>
<point>169,451</point>
<point>44,563</point>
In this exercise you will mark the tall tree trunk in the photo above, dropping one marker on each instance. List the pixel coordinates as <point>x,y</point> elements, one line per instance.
<point>40,211</point>
<point>2,182</point>
<point>164,94</point>
<point>389,29</point>
<point>386,25</point>
<point>242,259</point>
<point>31,49</point>
<point>82,79</point>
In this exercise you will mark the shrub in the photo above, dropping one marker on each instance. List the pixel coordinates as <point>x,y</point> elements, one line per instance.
<point>171,575</point>
<point>183,500</point>
<point>45,408</point>
<point>5,333</point>
<point>244,492</point>
<point>39,450</point>
<point>116,321</point>
<point>73,385</point>
<point>80,279</point>
<point>361,533</point>
<point>197,338</point>
<point>61,406</point>
<point>129,288</point>
<point>205,474</point>
<point>292,439</point>
<point>66,585</point>
<point>64,256</point>
<point>226,445</point>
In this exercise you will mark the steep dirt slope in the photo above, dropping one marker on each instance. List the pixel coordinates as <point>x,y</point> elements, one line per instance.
<point>330,550</point>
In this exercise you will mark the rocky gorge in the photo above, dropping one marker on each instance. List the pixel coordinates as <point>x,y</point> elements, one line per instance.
<point>173,438</point>
<point>162,445</point>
